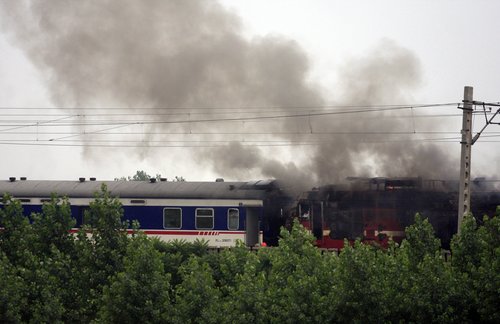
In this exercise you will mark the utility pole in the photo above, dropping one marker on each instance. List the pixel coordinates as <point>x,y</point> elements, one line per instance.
<point>465,157</point>
<point>467,142</point>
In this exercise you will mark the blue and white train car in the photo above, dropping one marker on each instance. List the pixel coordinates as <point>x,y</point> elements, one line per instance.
<point>219,212</point>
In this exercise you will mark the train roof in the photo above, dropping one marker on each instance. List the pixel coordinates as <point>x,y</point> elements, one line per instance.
<point>143,189</point>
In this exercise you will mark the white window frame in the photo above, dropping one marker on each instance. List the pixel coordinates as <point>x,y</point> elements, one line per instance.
<point>196,218</point>
<point>165,208</point>
<point>238,219</point>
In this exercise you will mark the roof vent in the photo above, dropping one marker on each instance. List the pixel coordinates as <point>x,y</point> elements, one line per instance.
<point>92,179</point>
<point>219,180</point>
<point>81,179</point>
<point>12,179</point>
<point>23,178</point>
<point>163,179</point>
<point>152,180</point>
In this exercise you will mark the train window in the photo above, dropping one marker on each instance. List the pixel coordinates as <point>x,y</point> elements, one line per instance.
<point>204,218</point>
<point>85,215</point>
<point>233,219</point>
<point>172,218</point>
<point>304,211</point>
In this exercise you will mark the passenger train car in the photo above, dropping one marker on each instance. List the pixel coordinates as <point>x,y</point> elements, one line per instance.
<point>219,212</point>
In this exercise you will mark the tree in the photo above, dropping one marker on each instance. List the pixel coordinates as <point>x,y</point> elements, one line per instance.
<point>101,245</point>
<point>420,241</point>
<point>32,265</point>
<point>175,253</point>
<point>16,235</point>
<point>288,283</point>
<point>247,301</point>
<point>429,290</point>
<point>196,297</point>
<point>297,282</point>
<point>139,293</point>
<point>141,175</point>
<point>53,225</point>
<point>476,259</point>
<point>12,300</point>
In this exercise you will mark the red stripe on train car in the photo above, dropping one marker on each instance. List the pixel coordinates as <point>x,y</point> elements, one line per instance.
<point>178,232</point>
<point>160,232</point>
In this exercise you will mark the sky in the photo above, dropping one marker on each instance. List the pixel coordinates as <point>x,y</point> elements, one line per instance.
<point>266,54</point>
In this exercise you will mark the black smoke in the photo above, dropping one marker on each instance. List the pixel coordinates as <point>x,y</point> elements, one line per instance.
<point>193,54</point>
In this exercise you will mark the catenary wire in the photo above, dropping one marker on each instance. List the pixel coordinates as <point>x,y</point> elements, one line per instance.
<point>326,106</point>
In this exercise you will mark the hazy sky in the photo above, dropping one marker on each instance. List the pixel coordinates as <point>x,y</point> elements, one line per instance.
<point>450,43</point>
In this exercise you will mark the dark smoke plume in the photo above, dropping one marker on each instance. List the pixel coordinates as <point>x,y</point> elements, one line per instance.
<point>386,75</point>
<point>189,53</point>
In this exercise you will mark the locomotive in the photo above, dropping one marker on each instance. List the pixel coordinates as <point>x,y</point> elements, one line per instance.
<point>376,210</point>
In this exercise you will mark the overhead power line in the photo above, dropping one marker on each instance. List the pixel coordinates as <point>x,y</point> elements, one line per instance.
<point>209,143</point>
<point>96,117</point>
<point>241,107</point>
<point>66,137</point>
<point>115,124</point>
<point>314,132</point>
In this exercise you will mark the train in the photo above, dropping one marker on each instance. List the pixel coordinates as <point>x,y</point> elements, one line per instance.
<point>220,213</point>
<point>373,210</point>
<point>377,210</point>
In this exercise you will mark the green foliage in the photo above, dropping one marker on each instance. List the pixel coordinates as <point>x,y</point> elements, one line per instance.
<point>140,293</point>
<point>247,300</point>
<point>428,289</point>
<point>227,266</point>
<point>17,235</point>
<point>101,246</point>
<point>283,284</point>
<point>29,266</point>
<point>420,241</point>
<point>102,274</point>
<point>293,288</point>
<point>141,175</point>
<point>108,231</point>
<point>34,266</point>
<point>12,300</point>
<point>196,297</point>
<point>476,258</point>
<point>359,284</point>
<point>52,226</point>
<point>177,252</point>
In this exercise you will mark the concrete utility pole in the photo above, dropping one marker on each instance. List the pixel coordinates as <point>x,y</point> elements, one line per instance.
<point>465,158</point>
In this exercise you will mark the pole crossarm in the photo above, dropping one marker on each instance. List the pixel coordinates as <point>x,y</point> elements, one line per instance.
<point>481,103</point>
<point>468,107</point>
<point>488,122</point>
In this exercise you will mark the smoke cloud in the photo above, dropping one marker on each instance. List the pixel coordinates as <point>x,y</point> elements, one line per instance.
<point>192,54</point>
<point>388,74</point>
